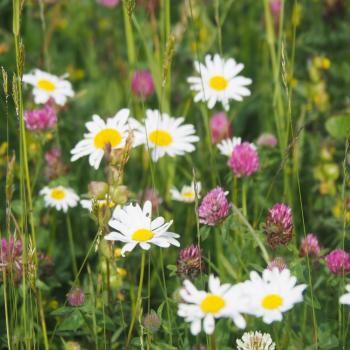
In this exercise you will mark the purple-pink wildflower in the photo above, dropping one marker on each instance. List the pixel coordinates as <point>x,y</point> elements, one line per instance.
<point>189,262</point>
<point>41,118</point>
<point>214,207</point>
<point>108,3</point>
<point>11,257</point>
<point>338,261</point>
<point>76,297</point>
<point>267,140</point>
<point>220,127</point>
<point>244,160</point>
<point>278,262</point>
<point>279,225</point>
<point>309,245</point>
<point>142,83</point>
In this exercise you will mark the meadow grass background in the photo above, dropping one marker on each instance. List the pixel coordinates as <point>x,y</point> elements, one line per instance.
<point>292,97</point>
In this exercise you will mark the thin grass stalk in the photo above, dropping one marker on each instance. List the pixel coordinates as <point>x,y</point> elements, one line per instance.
<point>290,119</point>
<point>138,300</point>
<point>71,245</point>
<point>8,334</point>
<point>345,179</point>
<point>253,233</point>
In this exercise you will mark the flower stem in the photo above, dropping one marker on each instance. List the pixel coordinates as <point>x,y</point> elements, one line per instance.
<point>253,233</point>
<point>244,198</point>
<point>6,311</point>
<point>138,301</point>
<point>213,342</point>
<point>71,246</point>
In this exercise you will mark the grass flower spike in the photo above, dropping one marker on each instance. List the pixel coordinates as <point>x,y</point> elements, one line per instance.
<point>222,300</point>
<point>102,133</point>
<point>219,81</point>
<point>187,193</point>
<point>134,226</point>
<point>273,293</point>
<point>60,198</point>
<point>166,135</point>
<point>47,86</point>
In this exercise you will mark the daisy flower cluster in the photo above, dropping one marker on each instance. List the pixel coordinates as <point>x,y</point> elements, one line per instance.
<point>265,296</point>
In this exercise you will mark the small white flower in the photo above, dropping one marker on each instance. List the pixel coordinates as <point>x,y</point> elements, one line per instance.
<point>222,300</point>
<point>345,299</point>
<point>60,197</point>
<point>218,81</point>
<point>114,131</point>
<point>227,146</point>
<point>255,341</point>
<point>48,86</point>
<point>166,135</point>
<point>187,193</point>
<point>272,294</point>
<point>134,226</point>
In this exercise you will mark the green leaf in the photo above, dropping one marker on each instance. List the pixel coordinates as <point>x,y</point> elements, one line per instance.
<point>339,127</point>
<point>72,322</point>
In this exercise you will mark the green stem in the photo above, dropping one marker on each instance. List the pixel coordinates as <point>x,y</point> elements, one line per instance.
<point>129,35</point>
<point>213,342</point>
<point>253,233</point>
<point>244,198</point>
<point>71,246</point>
<point>6,311</point>
<point>138,301</point>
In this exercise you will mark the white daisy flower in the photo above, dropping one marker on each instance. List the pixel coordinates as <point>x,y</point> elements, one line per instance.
<point>273,293</point>
<point>135,226</point>
<point>166,135</point>
<point>187,193</point>
<point>218,81</point>
<point>48,86</point>
<point>60,197</point>
<point>114,131</point>
<point>255,341</point>
<point>345,299</point>
<point>221,301</point>
<point>227,146</point>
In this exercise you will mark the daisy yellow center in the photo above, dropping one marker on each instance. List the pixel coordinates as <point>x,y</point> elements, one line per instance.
<point>188,194</point>
<point>46,85</point>
<point>272,301</point>
<point>142,235</point>
<point>160,138</point>
<point>57,194</point>
<point>212,304</point>
<point>107,136</point>
<point>218,83</point>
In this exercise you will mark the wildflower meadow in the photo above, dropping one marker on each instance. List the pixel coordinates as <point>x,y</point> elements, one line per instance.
<point>175,174</point>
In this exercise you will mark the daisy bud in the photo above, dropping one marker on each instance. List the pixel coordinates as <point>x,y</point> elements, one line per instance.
<point>310,246</point>
<point>220,127</point>
<point>152,322</point>
<point>189,262</point>
<point>142,83</point>
<point>255,341</point>
<point>76,297</point>
<point>279,225</point>
<point>278,262</point>
<point>214,207</point>
<point>244,160</point>
<point>338,262</point>
<point>108,3</point>
<point>41,118</point>
<point>267,140</point>
<point>98,189</point>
